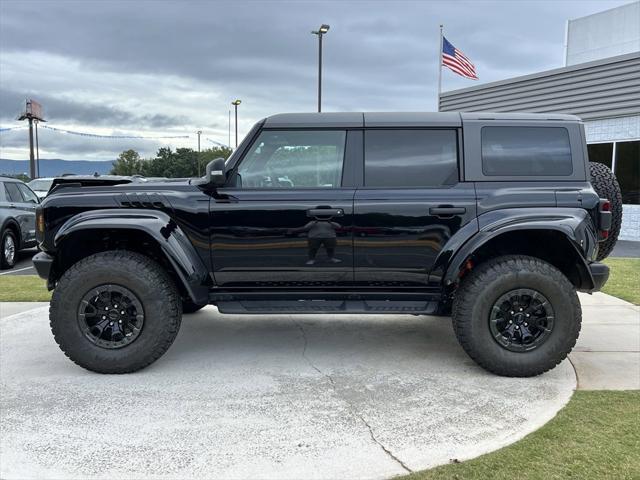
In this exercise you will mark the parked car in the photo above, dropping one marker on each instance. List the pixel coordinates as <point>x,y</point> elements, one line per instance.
<point>17,219</point>
<point>490,218</point>
<point>40,186</point>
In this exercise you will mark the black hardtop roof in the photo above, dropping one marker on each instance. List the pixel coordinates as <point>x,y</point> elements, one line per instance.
<point>399,119</point>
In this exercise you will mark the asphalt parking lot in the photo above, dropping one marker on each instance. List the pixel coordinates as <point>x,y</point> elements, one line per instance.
<point>264,397</point>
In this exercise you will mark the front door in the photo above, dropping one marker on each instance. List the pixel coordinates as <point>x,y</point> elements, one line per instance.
<point>411,204</point>
<point>286,221</point>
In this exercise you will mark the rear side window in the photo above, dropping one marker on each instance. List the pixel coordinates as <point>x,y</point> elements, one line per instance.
<point>12,192</point>
<point>530,151</point>
<point>410,158</point>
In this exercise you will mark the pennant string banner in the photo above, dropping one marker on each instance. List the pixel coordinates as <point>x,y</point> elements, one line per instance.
<point>217,143</point>
<point>6,129</point>
<point>95,135</point>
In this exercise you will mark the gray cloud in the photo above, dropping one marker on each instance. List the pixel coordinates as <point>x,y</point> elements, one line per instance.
<point>62,110</point>
<point>378,55</point>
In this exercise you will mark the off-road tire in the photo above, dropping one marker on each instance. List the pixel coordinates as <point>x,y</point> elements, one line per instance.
<point>485,284</point>
<point>606,185</point>
<point>5,262</point>
<point>141,275</point>
<point>189,307</point>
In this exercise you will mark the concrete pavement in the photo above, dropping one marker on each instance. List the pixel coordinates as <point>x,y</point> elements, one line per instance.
<point>264,397</point>
<point>286,397</point>
<point>607,355</point>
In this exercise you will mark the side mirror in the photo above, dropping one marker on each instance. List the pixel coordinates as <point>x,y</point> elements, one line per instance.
<point>216,174</point>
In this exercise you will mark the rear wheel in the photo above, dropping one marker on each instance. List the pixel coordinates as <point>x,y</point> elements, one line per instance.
<point>8,249</point>
<point>107,319</point>
<point>605,184</point>
<point>517,316</point>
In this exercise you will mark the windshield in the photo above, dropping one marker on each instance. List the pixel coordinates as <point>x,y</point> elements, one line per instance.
<point>42,185</point>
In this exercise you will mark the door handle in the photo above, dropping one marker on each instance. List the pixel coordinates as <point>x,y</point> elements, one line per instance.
<point>325,212</point>
<point>447,211</point>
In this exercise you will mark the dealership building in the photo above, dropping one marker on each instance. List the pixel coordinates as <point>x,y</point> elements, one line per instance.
<point>600,83</point>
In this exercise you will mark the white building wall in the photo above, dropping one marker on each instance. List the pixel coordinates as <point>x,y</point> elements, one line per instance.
<point>605,34</point>
<point>613,129</point>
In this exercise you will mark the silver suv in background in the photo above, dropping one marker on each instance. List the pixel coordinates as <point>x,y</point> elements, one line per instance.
<point>17,219</point>
<point>41,186</point>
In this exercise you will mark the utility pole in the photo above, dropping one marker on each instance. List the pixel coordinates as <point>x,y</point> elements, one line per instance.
<point>320,32</point>
<point>199,132</point>
<point>33,112</point>
<point>37,152</point>
<point>235,103</point>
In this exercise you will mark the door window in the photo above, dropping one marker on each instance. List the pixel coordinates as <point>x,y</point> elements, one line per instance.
<point>410,158</point>
<point>294,159</point>
<point>13,194</point>
<point>28,195</point>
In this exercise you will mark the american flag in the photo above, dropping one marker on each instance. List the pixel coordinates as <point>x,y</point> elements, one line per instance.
<point>456,61</point>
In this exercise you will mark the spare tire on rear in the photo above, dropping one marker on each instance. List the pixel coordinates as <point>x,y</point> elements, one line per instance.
<point>606,185</point>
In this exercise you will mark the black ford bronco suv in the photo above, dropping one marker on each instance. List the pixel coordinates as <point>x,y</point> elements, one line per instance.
<point>490,218</point>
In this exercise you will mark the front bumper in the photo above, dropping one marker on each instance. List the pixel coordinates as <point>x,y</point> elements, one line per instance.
<point>600,275</point>
<point>43,263</point>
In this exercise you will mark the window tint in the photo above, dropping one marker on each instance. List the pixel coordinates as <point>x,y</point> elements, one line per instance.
<point>28,195</point>
<point>294,159</point>
<point>410,158</point>
<point>13,194</point>
<point>532,151</point>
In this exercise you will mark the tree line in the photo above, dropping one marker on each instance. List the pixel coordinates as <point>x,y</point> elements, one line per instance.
<point>179,163</point>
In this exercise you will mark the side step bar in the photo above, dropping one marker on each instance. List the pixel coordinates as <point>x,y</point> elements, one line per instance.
<point>416,307</point>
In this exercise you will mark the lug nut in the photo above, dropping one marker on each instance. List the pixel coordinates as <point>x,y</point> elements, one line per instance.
<point>110,323</point>
<point>116,306</point>
<point>104,317</point>
<point>510,321</point>
<point>527,315</point>
<point>512,312</point>
<point>520,308</point>
<point>120,321</point>
<point>122,312</point>
<point>526,324</point>
<point>517,327</point>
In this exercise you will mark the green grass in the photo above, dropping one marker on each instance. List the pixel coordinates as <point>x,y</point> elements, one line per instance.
<point>596,436</point>
<point>624,282</point>
<point>23,288</point>
<point>624,279</point>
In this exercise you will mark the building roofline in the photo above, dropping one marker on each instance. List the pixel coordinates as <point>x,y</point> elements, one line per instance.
<point>546,73</point>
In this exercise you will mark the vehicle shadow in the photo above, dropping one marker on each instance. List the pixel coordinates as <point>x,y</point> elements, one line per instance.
<point>331,340</point>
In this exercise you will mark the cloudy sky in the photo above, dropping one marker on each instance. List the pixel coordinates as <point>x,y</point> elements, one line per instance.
<point>166,68</point>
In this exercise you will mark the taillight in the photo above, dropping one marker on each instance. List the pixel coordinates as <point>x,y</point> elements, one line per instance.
<point>604,220</point>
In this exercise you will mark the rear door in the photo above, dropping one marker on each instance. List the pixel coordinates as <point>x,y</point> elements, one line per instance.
<point>286,220</point>
<point>21,210</point>
<point>410,205</point>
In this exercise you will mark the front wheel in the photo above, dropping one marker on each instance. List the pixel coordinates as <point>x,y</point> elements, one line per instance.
<point>517,316</point>
<point>115,312</point>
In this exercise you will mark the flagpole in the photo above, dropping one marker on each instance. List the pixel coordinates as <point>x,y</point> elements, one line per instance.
<point>440,69</point>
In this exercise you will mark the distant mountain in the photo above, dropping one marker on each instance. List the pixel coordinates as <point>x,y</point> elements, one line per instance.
<point>53,167</point>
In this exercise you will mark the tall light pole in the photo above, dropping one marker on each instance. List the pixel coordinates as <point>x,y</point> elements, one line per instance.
<point>235,103</point>
<point>199,132</point>
<point>324,28</point>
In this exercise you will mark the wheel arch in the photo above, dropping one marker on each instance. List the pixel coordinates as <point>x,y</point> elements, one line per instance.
<point>555,236</point>
<point>152,233</point>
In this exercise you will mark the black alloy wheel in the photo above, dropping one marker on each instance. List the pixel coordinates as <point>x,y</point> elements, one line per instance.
<point>110,316</point>
<point>521,320</point>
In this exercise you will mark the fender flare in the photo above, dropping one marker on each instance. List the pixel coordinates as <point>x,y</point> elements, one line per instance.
<point>174,243</point>
<point>573,223</point>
